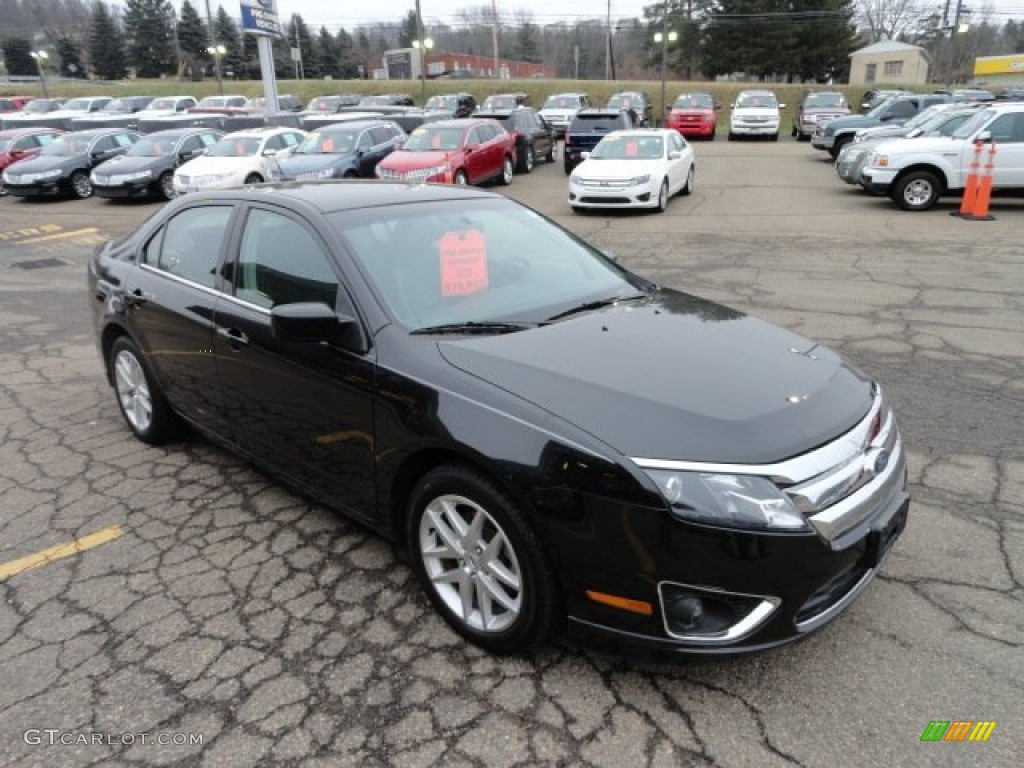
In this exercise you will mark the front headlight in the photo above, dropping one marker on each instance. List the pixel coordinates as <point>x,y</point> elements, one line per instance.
<point>638,180</point>
<point>576,179</point>
<point>879,161</point>
<point>9,179</point>
<point>137,176</point>
<point>734,501</point>
<point>48,174</point>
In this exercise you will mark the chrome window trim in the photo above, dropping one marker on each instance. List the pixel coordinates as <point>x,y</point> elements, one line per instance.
<point>792,471</point>
<point>205,289</point>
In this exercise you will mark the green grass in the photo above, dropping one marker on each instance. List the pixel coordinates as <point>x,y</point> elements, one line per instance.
<point>538,89</point>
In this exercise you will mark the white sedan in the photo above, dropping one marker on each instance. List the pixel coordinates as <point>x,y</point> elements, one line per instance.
<point>640,168</point>
<point>243,157</point>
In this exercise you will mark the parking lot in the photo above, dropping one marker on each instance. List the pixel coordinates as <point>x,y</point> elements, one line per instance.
<point>216,611</point>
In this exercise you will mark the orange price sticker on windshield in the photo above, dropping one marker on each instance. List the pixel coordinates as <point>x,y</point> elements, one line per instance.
<point>463,263</point>
<point>632,148</point>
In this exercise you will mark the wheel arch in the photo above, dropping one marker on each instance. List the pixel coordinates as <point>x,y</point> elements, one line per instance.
<point>924,166</point>
<point>111,333</point>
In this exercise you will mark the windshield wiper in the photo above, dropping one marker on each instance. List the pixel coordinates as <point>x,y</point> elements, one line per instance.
<point>471,326</point>
<point>589,306</point>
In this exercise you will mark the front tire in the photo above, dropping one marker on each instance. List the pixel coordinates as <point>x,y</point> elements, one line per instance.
<point>461,179</point>
<point>81,186</point>
<point>917,191</point>
<point>142,404</point>
<point>662,197</point>
<point>690,177</point>
<point>253,178</point>
<point>837,146</point>
<point>479,562</point>
<point>528,160</point>
<point>166,186</point>
<point>507,169</point>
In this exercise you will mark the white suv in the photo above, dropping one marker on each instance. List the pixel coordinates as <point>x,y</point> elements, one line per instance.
<point>917,172</point>
<point>755,113</point>
<point>560,108</point>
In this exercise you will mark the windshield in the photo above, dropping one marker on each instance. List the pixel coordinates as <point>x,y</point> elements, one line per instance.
<point>323,104</point>
<point>694,101</point>
<point>441,102</point>
<point>41,105</point>
<point>880,109</point>
<point>818,100</point>
<point>237,146</point>
<point>482,260</point>
<point>151,147</point>
<point>937,120</point>
<point>5,143</point>
<point>117,105</point>
<point>66,146</point>
<point>79,105</point>
<point>969,128</point>
<point>377,100</point>
<point>162,104</point>
<point>562,102</point>
<point>625,100</point>
<point>629,147</point>
<point>923,117</point>
<point>499,102</point>
<point>213,101</point>
<point>328,143</point>
<point>756,100</point>
<point>435,139</point>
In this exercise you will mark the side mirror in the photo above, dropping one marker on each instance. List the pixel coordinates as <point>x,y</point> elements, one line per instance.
<point>984,136</point>
<point>313,322</point>
<point>675,154</point>
<point>269,152</point>
<point>472,147</point>
<point>584,155</point>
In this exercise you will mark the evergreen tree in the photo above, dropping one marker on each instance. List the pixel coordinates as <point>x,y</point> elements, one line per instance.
<point>330,54</point>
<point>347,55</point>
<point>298,36</point>
<point>527,48</point>
<point>149,26</point>
<point>192,40</point>
<point>70,54</point>
<point>250,69</point>
<point>226,32</point>
<point>17,58</point>
<point>408,31</point>
<point>825,36</point>
<point>106,45</point>
<point>756,37</point>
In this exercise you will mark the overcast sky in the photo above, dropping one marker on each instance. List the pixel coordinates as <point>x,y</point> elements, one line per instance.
<point>350,13</point>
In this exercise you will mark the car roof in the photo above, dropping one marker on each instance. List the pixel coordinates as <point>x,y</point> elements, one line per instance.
<point>14,133</point>
<point>354,125</point>
<point>331,196</point>
<point>92,133</point>
<point>262,132</point>
<point>177,133</point>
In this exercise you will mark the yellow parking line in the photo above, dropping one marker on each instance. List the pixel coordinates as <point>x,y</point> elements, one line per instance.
<point>45,556</point>
<point>61,235</point>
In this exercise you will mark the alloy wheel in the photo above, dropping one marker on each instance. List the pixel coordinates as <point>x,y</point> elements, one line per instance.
<point>133,391</point>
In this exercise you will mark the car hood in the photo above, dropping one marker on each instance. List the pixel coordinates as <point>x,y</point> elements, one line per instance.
<point>850,121</point>
<point>402,160</point>
<point>41,164</point>
<point>212,165</point>
<point>559,112</point>
<point>926,144</point>
<point>294,164</point>
<point>755,112</point>
<point>619,169</point>
<point>676,378</point>
<point>124,164</point>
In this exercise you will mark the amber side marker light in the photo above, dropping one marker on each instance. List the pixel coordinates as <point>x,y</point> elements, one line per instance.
<point>624,603</point>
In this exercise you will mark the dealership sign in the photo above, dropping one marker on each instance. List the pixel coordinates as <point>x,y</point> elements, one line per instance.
<point>260,17</point>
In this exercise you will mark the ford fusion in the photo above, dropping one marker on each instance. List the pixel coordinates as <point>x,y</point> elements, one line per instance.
<point>560,443</point>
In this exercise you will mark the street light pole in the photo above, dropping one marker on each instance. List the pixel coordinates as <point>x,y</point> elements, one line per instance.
<point>40,57</point>
<point>663,37</point>
<point>214,48</point>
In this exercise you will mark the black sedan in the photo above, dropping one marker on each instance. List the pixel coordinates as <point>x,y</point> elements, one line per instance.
<point>555,439</point>
<point>534,138</point>
<point>63,166</point>
<point>147,169</point>
<point>342,151</point>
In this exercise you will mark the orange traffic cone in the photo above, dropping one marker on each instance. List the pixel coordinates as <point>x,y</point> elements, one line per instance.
<point>971,187</point>
<point>980,212</point>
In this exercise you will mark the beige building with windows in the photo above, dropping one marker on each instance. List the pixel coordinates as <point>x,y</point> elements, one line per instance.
<point>889,63</point>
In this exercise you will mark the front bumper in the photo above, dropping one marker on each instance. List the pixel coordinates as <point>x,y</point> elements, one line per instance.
<point>762,588</point>
<point>877,180</point>
<point>612,195</point>
<point>36,189</point>
<point>692,128</point>
<point>124,191</point>
<point>822,141</point>
<point>754,129</point>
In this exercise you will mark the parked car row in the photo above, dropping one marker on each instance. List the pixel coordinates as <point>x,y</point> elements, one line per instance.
<point>933,154</point>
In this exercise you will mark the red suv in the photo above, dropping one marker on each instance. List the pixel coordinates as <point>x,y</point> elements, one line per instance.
<point>693,114</point>
<point>465,151</point>
<point>10,104</point>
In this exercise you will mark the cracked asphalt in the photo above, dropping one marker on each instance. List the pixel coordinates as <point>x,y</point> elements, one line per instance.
<point>278,632</point>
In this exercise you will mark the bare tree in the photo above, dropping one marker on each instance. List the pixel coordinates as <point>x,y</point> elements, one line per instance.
<point>890,19</point>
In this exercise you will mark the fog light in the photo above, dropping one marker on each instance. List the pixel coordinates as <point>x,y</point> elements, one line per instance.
<point>644,197</point>
<point>709,616</point>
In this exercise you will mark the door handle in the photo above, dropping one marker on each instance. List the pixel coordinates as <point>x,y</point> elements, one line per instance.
<point>137,297</point>
<point>235,337</point>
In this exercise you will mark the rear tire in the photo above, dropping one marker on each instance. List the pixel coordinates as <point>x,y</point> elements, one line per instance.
<point>479,562</point>
<point>460,179</point>
<point>142,404</point>
<point>166,186</point>
<point>691,175</point>
<point>550,156</point>
<point>507,169</point>
<point>528,160</point>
